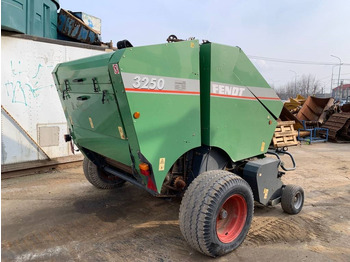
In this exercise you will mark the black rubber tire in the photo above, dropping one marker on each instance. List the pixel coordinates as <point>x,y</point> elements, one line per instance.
<point>99,178</point>
<point>85,168</point>
<point>200,207</point>
<point>292,199</point>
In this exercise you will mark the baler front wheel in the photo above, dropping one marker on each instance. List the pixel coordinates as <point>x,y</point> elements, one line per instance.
<point>292,199</point>
<point>216,212</point>
<point>99,178</point>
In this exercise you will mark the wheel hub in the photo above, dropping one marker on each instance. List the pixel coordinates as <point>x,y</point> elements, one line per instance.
<point>231,218</point>
<point>223,214</point>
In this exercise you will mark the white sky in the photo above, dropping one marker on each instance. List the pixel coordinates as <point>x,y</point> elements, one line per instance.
<point>307,30</point>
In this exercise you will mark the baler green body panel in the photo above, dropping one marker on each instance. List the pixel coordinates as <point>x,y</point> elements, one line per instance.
<point>239,109</point>
<point>100,94</point>
<point>162,84</point>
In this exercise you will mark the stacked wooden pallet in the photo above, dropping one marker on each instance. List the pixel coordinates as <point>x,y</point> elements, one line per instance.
<point>285,135</point>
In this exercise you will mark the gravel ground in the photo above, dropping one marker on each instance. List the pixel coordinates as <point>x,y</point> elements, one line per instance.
<point>59,216</point>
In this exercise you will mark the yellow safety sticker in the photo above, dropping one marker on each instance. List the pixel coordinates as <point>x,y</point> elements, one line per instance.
<point>161,164</point>
<point>192,45</point>
<point>266,191</point>
<point>91,123</point>
<point>121,132</point>
<point>262,147</point>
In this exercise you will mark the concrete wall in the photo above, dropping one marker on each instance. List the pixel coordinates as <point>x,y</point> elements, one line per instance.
<point>29,95</point>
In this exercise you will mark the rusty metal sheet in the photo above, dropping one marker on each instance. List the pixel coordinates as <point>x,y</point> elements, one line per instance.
<point>73,27</point>
<point>345,131</point>
<point>335,123</point>
<point>314,109</point>
<point>346,108</point>
<point>288,116</point>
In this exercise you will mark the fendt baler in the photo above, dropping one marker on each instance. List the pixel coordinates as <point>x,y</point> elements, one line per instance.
<point>181,119</point>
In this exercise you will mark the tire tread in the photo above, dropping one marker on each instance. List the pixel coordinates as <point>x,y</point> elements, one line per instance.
<point>288,195</point>
<point>200,200</point>
<point>93,175</point>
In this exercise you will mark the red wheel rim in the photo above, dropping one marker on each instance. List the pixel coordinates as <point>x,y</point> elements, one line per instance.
<point>231,218</point>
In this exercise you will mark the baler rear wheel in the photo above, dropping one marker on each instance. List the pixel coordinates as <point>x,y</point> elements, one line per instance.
<point>86,168</point>
<point>292,199</point>
<point>216,212</point>
<point>100,178</point>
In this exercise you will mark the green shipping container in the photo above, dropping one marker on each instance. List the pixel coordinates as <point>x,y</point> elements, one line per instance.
<point>38,18</point>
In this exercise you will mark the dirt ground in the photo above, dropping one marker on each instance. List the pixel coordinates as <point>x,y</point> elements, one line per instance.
<point>59,216</point>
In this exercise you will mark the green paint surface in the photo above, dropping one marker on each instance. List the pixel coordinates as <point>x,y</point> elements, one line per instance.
<point>170,86</point>
<point>169,124</point>
<point>241,127</point>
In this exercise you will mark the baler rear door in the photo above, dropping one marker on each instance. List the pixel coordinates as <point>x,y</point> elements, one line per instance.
<point>91,108</point>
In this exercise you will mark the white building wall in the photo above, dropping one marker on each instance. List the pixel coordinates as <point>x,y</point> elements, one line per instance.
<point>29,94</point>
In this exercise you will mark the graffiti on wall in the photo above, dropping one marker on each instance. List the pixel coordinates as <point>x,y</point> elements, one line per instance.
<point>26,82</point>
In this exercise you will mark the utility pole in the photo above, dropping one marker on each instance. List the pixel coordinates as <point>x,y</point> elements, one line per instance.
<point>332,79</point>
<point>295,82</point>
<point>341,91</point>
<point>338,87</point>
